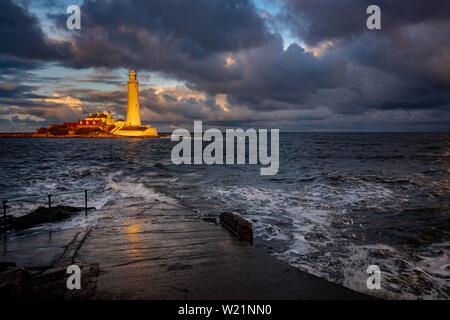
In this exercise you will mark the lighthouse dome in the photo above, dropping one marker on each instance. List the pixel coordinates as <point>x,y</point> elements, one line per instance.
<point>132,74</point>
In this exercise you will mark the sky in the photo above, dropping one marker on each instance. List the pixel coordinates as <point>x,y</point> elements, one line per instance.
<point>296,65</point>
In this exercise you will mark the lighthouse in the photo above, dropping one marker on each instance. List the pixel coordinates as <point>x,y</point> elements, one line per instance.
<point>133,127</point>
<point>133,109</point>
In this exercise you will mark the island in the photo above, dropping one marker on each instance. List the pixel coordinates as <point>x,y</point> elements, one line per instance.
<point>101,124</point>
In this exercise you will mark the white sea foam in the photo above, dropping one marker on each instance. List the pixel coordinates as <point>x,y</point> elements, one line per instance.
<point>126,190</point>
<point>314,231</point>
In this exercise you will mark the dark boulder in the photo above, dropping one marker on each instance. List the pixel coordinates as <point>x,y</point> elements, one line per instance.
<point>15,283</point>
<point>43,215</point>
<point>238,226</point>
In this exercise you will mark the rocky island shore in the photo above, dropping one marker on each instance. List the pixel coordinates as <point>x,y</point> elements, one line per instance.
<point>94,135</point>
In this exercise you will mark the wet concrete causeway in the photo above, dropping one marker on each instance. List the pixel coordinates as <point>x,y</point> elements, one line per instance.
<point>162,252</point>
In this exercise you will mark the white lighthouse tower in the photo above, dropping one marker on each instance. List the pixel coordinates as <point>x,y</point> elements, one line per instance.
<point>133,108</point>
<point>133,126</point>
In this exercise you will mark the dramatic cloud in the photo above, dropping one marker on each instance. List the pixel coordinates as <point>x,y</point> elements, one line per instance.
<point>305,65</point>
<point>22,37</point>
<point>413,42</point>
<point>319,20</point>
<point>167,34</point>
<point>221,47</point>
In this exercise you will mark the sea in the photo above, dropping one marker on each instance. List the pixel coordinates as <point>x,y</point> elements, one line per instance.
<point>339,203</point>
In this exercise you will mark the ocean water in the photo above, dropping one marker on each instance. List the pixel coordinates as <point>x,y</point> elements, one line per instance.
<point>340,202</point>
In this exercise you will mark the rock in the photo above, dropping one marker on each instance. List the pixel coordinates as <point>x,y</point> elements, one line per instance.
<point>5,265</point>
<point>210,219</point>
<point>43,215</point>
<point>52,284</point>
<point>238,226</point>
<point>15,283</point>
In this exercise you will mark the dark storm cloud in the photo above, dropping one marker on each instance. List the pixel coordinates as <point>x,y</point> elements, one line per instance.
<point>192,40</point>
<point>15,91</point>
<point>100,77</point>
<point>21,35</point>
<point>200,25</point>
<point>153,36</point>
<point>318,20</point>
<point>163,34</point>
<point>11,64</point>
<point>227,47</point>
<point>414,42</point>
<point>286,76</point>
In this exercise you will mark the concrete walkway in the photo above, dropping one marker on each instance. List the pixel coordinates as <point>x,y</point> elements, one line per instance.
<point>164,252</point>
